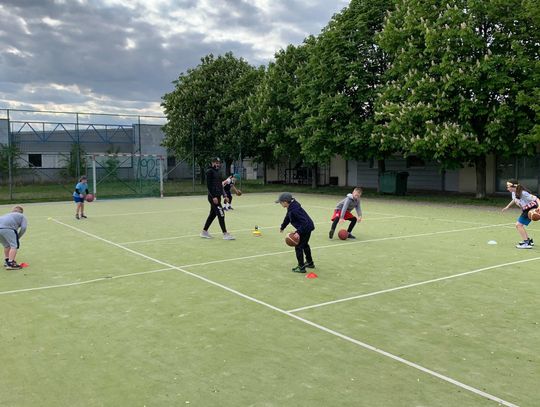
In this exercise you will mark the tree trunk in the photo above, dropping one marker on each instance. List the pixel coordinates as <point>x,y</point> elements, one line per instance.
<point>381,168</point>
<point>480,165</point>
<point>314,176</point>
<point>265,175</point>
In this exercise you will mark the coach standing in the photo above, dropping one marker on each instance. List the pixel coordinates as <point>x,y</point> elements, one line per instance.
<point>215,192</point>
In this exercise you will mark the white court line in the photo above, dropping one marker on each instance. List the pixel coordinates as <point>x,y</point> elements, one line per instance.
<point>345,244</point>
<point>23,290</point>
<point>306,321</point>
<point>236,231</point>
<point>109,215</point>
<point>413,285</point>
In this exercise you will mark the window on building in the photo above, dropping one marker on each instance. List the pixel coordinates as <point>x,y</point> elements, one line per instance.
<point>34,160</point>
<point>415,162</point>
<point>171,161</point>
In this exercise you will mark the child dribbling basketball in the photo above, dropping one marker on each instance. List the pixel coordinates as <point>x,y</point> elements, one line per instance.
<point>527,202</point>
<point>298,217</point>
<point>343,212</point>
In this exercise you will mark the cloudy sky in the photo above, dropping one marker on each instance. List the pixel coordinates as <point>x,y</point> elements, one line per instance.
<point>120,56</point>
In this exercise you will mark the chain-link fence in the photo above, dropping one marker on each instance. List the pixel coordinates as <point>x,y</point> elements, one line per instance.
<point>44,153</point>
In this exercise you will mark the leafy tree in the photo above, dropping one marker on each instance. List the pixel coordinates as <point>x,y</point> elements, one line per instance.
<point>200,110</point>
<point>272,112</point>
<point>8,157</point>
<point>74,162</point>
<point>339,85</point>
<point>459,81</point>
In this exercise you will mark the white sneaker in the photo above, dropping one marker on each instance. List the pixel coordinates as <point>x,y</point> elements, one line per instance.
<point>228,236</point>
<point>524,245</point>
<point>204,234</point>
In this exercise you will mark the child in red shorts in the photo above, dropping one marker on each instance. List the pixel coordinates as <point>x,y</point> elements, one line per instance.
<point>343,212</point>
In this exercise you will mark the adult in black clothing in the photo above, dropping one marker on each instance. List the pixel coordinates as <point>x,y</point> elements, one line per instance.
<point>215,192</point>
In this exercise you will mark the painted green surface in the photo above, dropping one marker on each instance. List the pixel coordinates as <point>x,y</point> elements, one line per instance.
<point>101,319</point>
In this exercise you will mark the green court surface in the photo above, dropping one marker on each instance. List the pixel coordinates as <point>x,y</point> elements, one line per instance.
<point>130,307</point>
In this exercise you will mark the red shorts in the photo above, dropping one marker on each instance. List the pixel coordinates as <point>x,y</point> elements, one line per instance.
<point>337,214</point>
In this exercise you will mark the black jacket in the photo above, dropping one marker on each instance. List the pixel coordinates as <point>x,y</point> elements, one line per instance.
<point>213,182</point>
<point>298,217</point>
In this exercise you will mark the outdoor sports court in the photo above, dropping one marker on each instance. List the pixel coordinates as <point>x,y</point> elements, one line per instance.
<point>130,307</point>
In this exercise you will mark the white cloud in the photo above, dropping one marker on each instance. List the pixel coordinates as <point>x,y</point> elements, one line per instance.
<point>124,54</point>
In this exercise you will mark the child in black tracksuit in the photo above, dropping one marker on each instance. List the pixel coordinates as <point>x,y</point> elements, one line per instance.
<point>298,217</point>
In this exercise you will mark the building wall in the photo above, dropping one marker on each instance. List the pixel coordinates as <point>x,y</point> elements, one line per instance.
<point>338,168</point>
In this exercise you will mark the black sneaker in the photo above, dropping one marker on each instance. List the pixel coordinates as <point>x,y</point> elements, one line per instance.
<point>351,236</point>
<point>12,265</point>
<point>331,233</point>
<point>299,269</point>
<point>310,265</point>
<point>6,261</point>
<point>531,243</point>
<point>77,216</point>
<point>84,216</point>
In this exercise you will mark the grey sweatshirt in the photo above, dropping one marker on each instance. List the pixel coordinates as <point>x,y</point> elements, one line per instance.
<point>15,221</point>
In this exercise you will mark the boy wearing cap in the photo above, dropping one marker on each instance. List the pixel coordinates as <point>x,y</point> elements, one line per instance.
<point>298,217</point>
<point>12,227</point>
<point>215,192</point>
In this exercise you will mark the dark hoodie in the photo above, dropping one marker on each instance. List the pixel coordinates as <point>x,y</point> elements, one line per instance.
<point>298,217</point>
<point>213,182</point>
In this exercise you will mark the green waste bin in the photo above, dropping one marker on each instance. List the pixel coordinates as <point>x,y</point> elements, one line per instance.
<point>393,182</point>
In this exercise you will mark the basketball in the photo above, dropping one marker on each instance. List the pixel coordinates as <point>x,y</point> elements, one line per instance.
<point>343,234</point>
<point>292,239</point>
<point>89,197</point>
<point>238,192</point>
<point>534,214</point>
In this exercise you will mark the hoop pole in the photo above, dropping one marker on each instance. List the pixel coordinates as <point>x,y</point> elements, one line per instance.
<point>161,176</point>
<point>94,176</point>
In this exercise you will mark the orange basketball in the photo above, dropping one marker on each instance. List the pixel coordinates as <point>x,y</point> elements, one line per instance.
<point>534,214</point>
<point>343,234</point>
<point>89,198</point>
<point>292,239</point>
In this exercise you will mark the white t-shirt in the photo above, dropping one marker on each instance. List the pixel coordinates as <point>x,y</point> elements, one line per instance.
<point>526,201</point>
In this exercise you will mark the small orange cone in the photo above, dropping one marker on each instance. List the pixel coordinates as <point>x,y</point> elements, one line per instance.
<point>23,265</point>
<point>311,275</point>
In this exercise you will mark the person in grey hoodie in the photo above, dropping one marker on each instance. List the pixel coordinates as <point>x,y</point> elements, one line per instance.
<point>343,212</point>
<point>12,227</point>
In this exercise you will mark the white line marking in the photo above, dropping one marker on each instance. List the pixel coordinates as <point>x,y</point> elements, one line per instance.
<point>276,227</point>
<point>345,244</point>
<point>413,284</point>
<point>305,321</point>
<point>23,290</point>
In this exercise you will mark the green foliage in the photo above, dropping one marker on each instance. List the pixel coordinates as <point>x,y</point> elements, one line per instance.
<point>338,85</point>
<point>205,109</point>
<point>8,156</point>
<point>272,111</point>
<point>462,77</point>
<point>111,163</point>
<point>74,162</point>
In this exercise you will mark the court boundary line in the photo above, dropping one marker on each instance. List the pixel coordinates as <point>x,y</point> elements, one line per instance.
<point>305,321</point>
<point>237,230</point>
<point>346,243</point>
<point>434,280</point>
<point>94,280</point>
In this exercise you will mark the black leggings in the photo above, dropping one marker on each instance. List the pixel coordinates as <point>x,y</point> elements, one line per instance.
<point>215,210</point>
<point>351,225</point>
<point>303,248</point>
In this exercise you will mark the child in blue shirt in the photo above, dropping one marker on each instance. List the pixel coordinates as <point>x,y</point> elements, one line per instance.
<point>81,190</point>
